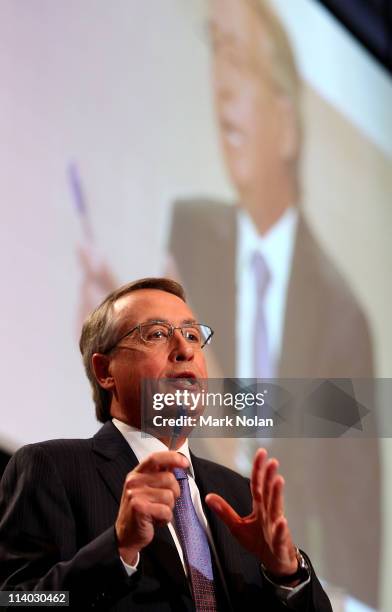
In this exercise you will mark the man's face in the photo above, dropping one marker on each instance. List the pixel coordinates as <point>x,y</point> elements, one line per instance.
<point>246,100</point>
<point>133,360</point>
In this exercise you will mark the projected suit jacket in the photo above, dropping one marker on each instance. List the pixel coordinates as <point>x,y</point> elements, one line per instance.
<point>333,486</point>
<point>58,504</point>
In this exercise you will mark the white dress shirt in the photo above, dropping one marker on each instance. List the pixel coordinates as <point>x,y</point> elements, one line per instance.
<point>276,248</point>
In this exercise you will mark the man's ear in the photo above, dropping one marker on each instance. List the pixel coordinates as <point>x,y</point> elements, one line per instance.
<point>101,367</point>
<point>289,129</point>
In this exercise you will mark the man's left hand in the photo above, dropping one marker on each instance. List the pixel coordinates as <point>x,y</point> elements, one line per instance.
<point>265,531</point>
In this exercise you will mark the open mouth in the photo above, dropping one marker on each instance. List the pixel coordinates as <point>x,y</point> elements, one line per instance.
<point>186,383</point>
<point>185,380</point>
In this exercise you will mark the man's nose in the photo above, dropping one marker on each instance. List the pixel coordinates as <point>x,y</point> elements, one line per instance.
<point>181,350</point>
<point>222,77</point>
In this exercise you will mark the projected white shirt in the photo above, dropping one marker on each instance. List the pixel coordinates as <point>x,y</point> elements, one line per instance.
<point>276,247</point>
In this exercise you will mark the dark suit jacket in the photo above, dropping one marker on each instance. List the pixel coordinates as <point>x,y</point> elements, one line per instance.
<point>58,504</point>
<point>333,486</point>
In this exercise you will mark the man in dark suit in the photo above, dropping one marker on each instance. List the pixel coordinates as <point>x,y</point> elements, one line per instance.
<point>325,332</point>
<point>102,517</point>
<point>315,327</point>
<point>321,330</point>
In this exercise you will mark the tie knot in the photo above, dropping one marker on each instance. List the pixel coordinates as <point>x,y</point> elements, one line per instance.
<point>180,474</point>
<point>261,273</point>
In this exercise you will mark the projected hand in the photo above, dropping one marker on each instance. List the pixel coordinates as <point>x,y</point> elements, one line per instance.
<point>148,499</point>
<point>97,281</point>
<point>265,531</point>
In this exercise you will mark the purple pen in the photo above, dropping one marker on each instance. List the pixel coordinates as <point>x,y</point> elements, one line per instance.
<point>80,200</point>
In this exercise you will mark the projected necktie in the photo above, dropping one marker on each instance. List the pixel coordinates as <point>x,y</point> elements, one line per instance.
<point>262,359</point>
<point>194,542</point>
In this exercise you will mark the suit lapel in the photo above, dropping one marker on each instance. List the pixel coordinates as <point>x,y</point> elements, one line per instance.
<point>305,305</point>
<point>221,305</point>
<point>206,259</point>
<point>114,458</point>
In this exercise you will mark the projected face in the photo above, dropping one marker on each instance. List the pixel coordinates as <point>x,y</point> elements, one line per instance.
<point>134,360</point>
<point>249,107</point>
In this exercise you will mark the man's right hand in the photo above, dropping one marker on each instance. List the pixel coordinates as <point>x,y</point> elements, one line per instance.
<point>149,494</point>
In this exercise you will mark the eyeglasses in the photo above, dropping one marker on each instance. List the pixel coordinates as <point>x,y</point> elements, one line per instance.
<point>156,333</point>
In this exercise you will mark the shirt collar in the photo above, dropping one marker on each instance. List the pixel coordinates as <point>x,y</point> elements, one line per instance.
<point>143,444</point>
<point>276,246</point>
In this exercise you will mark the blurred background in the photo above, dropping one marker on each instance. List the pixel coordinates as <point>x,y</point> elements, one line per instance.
<point>243,147</point>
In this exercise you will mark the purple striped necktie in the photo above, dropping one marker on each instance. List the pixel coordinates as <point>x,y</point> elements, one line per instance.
<point>194,543</point>
<point>262,358</point>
